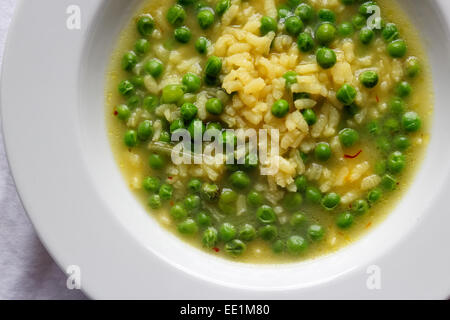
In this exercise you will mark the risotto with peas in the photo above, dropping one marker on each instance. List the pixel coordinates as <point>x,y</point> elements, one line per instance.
<point>344,86</point>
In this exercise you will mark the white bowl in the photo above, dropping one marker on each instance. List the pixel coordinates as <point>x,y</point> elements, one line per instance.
<point>52,103</point>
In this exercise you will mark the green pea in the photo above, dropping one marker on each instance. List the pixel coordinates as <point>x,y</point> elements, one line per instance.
<point>369,79</point>
<point>192,82</point>
<point>373,128</point>
<point>130,138</point>
<point>145,130</point>
<point>325,33</point>
<point>297,220</point>
<point>164,137</point>
<point>182,34</point>
<point>396,105</point>
<point>203,219</point>
<point>227,232</point>
<point>123,112</point>
<point>165,192</point>
<point>188,111</point>
<point>360,207</point>
<point>347,2</point>
<point>411,121</point>
<point>201,45</point>
<point>305,12</point>
<point>412,66</point>
<point>278,246</point>
<point>154,201</point>
<point>313,194</point>
<point>214,126</point>
<point>301,183</point>
<point>322,151</point>
<point>125,88</point>
<point>227,201</point>
<point>401,142</point>
<point>178,212</point>
<point>192,202</point>
<point>359,21</point>
<point>310,116</point>
<point>397,48</point>
<point>222,6</point>
<point>296,245</point>
<point>290,77</point>
<point>210,191</point>
<point>172,93</point>
<point>240,180</point>
<point>403,89</point>
<point>176,15</point>
<point>134,101</point>
<point>294,25</point>
<point>196,128</point>
<point>137,81</point>
<point>145,25</point>
<point>388,182</point>
<point>154,67</point>
<point>254,198</point>
<point>344,220</point>
<point>326,58</point>
<point>151,184</point>
<point>293,3</point>
<point>280,108</point>
<point>331,200</point>
<point>345,29</point>
<point>150,102</point>
<point>142,46</point>
<point>176,124</point>
<point>268,232</point>
<point>129,61</point>
<point>235,247</point>
<point>383,144</point>
<point>390,32</point>
<point>247,233</point>
<point>194,185</point>
<point>348,137</point>
<point>391,125</point>
<point>266,214</point>
<point>346,94</point>
<point>283,12</point>
<point>155,161</point>
<point>209,238</point>
<point>305,42</point>
<point>396,162</point>
<point>251,161</point>
<point>366,8</point>
<point>292,200</point>
<point>214,106</point>
<point>316,232</point>
<point>268,24</point>
<point>366,35</point>
<point>327,15</point>
<point>301,95</point>
<point>188,226</point>
<point>187,2</point>
<point>213,66</point>
<point>374,195</point>
<point>380,167</point>
<point>205,18</point>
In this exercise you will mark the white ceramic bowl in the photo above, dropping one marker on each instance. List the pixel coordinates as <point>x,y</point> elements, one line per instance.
<point>52,103</point>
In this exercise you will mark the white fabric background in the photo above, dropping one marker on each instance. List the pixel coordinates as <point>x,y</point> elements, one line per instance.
<point>26,269</point>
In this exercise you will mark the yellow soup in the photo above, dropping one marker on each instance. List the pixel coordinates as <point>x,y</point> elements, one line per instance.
<point>342,87</point>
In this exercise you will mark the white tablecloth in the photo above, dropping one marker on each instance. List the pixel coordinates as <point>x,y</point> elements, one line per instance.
<point>26,269</point>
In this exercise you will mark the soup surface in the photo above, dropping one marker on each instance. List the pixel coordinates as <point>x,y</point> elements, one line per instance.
<point>340,88</point>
